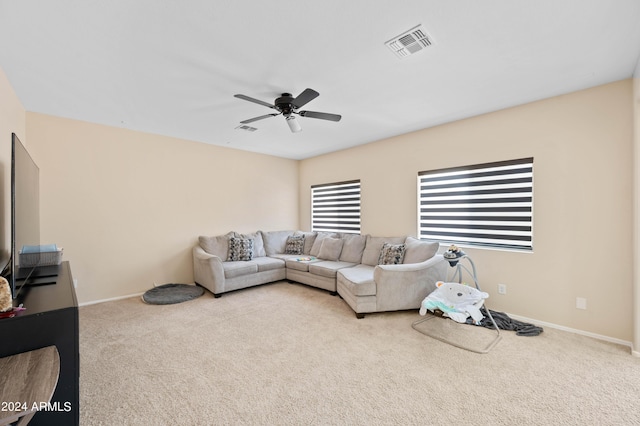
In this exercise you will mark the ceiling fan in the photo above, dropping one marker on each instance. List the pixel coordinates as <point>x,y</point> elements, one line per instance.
<point>287,105</point>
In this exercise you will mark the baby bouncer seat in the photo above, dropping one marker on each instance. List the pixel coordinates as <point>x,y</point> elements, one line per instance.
<point>453,305</point>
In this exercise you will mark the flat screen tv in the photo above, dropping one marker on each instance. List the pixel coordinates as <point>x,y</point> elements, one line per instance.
<point>25,211</point>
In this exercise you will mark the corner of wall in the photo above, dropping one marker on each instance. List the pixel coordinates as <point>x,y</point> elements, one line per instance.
<point>636,212</point>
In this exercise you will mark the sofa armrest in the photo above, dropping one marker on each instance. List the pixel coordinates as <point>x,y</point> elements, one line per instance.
<point>413,267</point>
<point>208,271</point>
<point>404,286</point>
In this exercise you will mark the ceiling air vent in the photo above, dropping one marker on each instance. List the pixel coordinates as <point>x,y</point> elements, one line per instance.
<point>410,42</point>
<point>246,128</point>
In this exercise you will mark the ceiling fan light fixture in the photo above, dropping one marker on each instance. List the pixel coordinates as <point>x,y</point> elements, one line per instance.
<point>293,124</point>
<point>287,105</point>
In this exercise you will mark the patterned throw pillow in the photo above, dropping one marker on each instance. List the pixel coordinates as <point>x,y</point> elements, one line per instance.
<point>391,254</point>
<point>294,245</point>
<point>240,249</point>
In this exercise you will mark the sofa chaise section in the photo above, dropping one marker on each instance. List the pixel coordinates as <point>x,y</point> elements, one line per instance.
<point>373,287</point>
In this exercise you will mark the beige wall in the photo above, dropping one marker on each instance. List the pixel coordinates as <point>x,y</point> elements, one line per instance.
<point>582,149</point>
<point>128,207</point>
<point>12,120</point>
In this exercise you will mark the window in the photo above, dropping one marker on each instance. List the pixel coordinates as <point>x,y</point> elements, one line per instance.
<point>335,207</point>
<point>487,205</point>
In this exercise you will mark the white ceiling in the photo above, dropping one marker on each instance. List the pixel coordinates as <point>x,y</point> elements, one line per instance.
<point>172,67</point>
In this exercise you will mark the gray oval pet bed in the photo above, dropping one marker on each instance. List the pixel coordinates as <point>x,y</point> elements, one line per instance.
<point>168,294</point>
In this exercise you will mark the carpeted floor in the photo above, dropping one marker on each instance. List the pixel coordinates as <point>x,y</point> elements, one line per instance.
<point>286,354</point>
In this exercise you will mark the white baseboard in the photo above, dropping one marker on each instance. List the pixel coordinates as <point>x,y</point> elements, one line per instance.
<point>95,302</point>
<point>576,331</point>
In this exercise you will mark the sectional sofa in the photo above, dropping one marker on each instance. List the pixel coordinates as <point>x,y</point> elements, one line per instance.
<point>371,274</point>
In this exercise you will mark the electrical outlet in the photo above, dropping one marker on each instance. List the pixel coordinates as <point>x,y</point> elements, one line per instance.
<point>581,303</point>
<point>502,289</point>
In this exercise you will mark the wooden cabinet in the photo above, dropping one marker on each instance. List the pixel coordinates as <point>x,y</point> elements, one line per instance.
<point>50,318</point>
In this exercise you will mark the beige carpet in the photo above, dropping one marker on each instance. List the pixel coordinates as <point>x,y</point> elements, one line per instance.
<point>286,354</point>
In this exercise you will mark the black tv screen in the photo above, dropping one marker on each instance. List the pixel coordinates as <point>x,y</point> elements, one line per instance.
<point>25,210</point>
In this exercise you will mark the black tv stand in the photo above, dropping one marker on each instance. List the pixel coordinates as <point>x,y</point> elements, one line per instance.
<point>50,318</point>
<point>41,275</point>
<point>39,271</point>
<point>33,282</point>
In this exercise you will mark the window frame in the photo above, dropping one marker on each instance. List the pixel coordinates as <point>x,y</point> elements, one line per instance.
<point>487,205</point>
<point>347,207</point>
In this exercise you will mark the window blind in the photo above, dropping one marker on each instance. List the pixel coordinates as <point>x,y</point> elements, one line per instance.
<point>335,207</point>
<point>485,204</point>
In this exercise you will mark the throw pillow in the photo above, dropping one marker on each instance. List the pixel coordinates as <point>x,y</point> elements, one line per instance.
<point>309,239</point>
<point>330,249</point>
<point>294,245</point>
<point>371,253</point>
<point>240,249</point>
<point>258,244</point>
<point>391,254</point>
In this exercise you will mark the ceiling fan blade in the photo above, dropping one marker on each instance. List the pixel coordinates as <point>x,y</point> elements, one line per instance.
<point>251,120</point>
<point>254,100</point>
<point>320,115</point>
<point>303,98</point>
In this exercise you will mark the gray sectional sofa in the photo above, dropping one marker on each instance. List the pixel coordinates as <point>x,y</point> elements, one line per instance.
<point>371,274</point>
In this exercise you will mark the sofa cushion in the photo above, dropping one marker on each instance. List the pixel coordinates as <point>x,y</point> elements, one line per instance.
<point>294,244</point>
<point>330,249</point>
<point>315,249</point>
<point>258,244</point>
<point>358,280</point>
<point>372,249</point>
<point>234,269</point>
<point>301,265</point>
<point>240,249</point>
<point>417,251</point>
<point>217,246</point>
<point>353,247</point>
<point>328,268</point>
<point>391,254</point>
<point>275,241</point>
<point>309,239</point>
<point>268,263</point>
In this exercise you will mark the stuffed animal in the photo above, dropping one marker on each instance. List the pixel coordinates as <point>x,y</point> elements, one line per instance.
<point>5,296</point>
<point>457,301</point>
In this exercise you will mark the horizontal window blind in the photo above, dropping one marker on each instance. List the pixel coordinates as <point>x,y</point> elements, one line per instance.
<point>335,207</point>
<point>485,204</point>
